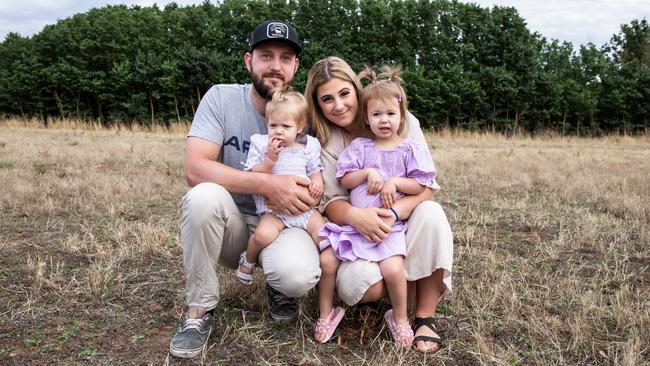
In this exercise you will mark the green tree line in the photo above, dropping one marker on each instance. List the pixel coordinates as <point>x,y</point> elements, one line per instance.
<point>464,66</point>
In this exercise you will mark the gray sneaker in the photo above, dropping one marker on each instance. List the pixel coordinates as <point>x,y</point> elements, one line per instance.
<point>282,308</point>
<point>191,337</point>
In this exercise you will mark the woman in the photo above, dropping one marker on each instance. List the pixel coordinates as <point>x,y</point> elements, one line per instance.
<point>333,97</point>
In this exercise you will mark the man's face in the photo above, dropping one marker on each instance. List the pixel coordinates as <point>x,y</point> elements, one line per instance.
<point>271,64</point>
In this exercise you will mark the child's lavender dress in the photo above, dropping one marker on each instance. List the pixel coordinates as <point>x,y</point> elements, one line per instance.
<point>409,160</point>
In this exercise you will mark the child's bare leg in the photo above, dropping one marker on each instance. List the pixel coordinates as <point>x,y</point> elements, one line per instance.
<point>392,269</point>
<point>267,230</point>
<point>316,222</point>
<point>327,285</point>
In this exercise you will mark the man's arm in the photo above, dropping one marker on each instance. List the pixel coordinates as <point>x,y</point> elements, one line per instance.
<point>287,193</point>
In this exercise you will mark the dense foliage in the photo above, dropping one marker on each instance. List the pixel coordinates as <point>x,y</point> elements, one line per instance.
<point>464,66</point>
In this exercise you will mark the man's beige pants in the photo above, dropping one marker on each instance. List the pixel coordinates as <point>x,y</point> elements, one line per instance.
<point>214,230</point>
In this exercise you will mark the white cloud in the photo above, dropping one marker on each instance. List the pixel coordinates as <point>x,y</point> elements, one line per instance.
<point>576,21</point>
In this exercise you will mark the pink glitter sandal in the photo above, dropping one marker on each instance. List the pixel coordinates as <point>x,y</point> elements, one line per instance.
<point>328,325</point>
<point>400,333</point>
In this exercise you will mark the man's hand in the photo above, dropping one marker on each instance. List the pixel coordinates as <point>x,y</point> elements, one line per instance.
<point>288,194</point>
<point>375,182</point>
<point>373,223</point>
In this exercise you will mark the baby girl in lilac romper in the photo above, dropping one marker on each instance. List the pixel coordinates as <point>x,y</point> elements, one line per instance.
<point>408,160</point>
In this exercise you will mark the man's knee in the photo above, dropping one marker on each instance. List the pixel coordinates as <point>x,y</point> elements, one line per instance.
<point>291,263</point>
<point>203,202</point>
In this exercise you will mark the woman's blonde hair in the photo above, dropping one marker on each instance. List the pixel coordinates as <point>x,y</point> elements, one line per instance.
<point>323,71</point>
<point>291,102</point>
<point>385,85</point>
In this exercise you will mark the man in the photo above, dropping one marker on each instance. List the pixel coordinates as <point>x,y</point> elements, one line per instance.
<point>218,213</point>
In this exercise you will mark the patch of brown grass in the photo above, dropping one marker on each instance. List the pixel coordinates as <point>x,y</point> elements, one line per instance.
<point>551,255</point>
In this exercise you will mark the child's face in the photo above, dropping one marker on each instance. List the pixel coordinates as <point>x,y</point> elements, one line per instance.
<point>282,126</point>
<point>384,117</point>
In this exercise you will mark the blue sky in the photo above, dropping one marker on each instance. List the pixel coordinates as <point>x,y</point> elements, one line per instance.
<point>575,21</point>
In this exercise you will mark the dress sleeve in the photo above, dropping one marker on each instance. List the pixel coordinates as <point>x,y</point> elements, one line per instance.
<point>415,133</point>
<point>257,151</point>
<point>420,167</point>
<point>314,164</point>
<point>351,158</point>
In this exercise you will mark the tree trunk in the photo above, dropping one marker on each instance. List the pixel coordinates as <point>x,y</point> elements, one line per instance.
<point>178,116</point>
<point>151,108</point>
<point>78,112</point>
<point>59,105</point>
<point>192,105</point>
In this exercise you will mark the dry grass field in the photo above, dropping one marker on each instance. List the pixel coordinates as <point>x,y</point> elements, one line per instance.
<point>552,256</point>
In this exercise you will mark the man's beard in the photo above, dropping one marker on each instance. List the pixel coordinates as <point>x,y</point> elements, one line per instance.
<point>263,90</point>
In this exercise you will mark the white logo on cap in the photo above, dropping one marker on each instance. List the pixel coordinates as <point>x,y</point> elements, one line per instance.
<point>277,30</point>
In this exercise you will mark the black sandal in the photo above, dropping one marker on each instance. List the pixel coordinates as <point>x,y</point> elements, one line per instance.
<point>426,322</point>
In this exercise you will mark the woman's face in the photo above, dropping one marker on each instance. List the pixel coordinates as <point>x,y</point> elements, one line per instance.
<point>338,100</point>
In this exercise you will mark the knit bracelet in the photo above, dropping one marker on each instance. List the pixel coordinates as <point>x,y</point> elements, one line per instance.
<point>394,213</point>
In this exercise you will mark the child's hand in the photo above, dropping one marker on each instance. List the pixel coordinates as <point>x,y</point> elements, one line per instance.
<point>274,149</point>
<point>316,188</point>
<point>375,182</point>
<point>388,193</point>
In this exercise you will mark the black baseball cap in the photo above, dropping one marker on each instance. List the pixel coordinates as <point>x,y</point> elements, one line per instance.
<point>275,30</point>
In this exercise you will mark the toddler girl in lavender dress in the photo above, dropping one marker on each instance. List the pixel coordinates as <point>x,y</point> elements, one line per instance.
<point>377,171</point>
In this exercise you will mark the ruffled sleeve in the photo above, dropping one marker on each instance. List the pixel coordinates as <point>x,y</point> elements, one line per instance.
<point>312,149</point>
<point>351,158</point>
<point>257,151</point>
<point>419,165</point>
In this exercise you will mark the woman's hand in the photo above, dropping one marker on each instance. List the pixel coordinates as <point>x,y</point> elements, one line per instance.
<point>375,181</point>
<point>387,193</point>
<point>373,223</point>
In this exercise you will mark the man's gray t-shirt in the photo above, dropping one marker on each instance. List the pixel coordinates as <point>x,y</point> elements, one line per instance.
<point>226,116</point>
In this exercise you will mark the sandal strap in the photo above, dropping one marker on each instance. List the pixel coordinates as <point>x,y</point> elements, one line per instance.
<point>244,262</point>
<point>424,322</point>
<point>423,338</point>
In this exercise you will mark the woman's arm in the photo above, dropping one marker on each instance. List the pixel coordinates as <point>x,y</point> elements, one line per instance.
<point>405,205</point>
<point>373,223</point>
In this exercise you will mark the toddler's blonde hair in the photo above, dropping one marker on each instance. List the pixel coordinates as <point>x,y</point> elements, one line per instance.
<point>291,102</point>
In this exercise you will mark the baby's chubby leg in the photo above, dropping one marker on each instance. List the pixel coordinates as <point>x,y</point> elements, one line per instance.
<point>266,232</point>
<point>315,223</point>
